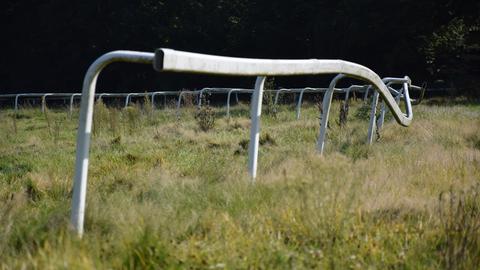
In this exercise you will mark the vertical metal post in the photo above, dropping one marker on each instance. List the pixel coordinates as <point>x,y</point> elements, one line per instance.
<point>16,102</point>
<point>327,101</point>
<point>365,97</point>
<point>347,94</point>
<point>153,101</point>
<point>299,103</point>
<point>200,95</point>
<point>179,102</point>
<point>228,101</point>
<point>85,128</point>
<point>83,146</point>
<point>71,102</point>
<point>276,100</point>
<point>44,102</point>
<point>383,111</point>
<point>256,112</point>
<point>127,100</point>
<point>373,118</point>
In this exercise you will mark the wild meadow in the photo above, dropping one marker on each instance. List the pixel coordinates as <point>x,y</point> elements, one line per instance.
<point>168,192</point>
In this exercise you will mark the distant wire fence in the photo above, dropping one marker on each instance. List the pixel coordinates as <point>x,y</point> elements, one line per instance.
<point>165,98</point>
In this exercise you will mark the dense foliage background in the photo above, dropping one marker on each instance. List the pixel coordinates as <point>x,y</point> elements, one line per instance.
<point>47,45</point>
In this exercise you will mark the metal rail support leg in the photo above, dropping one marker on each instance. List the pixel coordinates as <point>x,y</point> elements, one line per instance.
<point>127,100</point>
<point>365,97</point>
<point>71,102</point>
<point>85,128</point>
<point>381,118</point>
<point>347,95</point>
<point>373,118</point>
<point>179,102</point>
<point>200,95</point>
<point>277,95</point>
<point>16,102</point>
<point>228,101</point>
<point>256,112</point>
<point>327,102</point>
<point>299,103</point>
<point>153,101</point>
<point>44,102</point>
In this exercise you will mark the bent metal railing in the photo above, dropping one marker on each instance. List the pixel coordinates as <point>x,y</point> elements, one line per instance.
<point>177,61</point>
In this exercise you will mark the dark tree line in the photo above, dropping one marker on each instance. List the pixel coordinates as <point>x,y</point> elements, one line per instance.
<point>47,45</point>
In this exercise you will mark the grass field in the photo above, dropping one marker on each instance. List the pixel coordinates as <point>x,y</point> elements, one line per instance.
<point>164,194</point>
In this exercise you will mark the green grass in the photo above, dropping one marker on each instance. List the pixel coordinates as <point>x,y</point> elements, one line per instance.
<point>163,193</point>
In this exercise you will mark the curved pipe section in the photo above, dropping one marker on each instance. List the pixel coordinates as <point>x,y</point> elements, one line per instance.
<point>85,127</point>
<point>178,61</point>
<point>327,101</point>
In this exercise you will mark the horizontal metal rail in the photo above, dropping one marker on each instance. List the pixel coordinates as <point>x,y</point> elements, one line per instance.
<point>177,61</point>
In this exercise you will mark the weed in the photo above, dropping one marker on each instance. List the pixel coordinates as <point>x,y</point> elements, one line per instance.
<point>116,142</point>
<point>14,122</point>
<point>148,110</point>
<point>100,117</point>
<point>205,118</point>
<point>188,99</point>
<point>342,119</point>
<point>363,113</point>
<point>459,213</point>
<point>267,139</point>
<point>114,122</point>
<point>132,118</point>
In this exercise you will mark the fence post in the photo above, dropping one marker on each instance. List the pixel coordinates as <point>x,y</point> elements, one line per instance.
<point>256,112</point>
<point>373,118</point>
<point>327,101</point>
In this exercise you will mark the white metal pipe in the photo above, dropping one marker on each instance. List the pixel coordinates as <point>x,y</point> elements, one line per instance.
<point>71,101</point>
<point>200,95</point>
<point>36,95</point>
<point>44,101</point>
<point>85,127</point>
<point>327,101</point>
<point>178,61</point>
<point>127,99</point>
<point>16,102</point>
<point>170,60</point>
<point>256,112</point>
<point>299,103</point>
<point>398,94</point>
<point>373,118</point>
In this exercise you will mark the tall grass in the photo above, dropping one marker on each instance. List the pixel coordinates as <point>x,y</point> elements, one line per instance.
<point>164,194</point>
